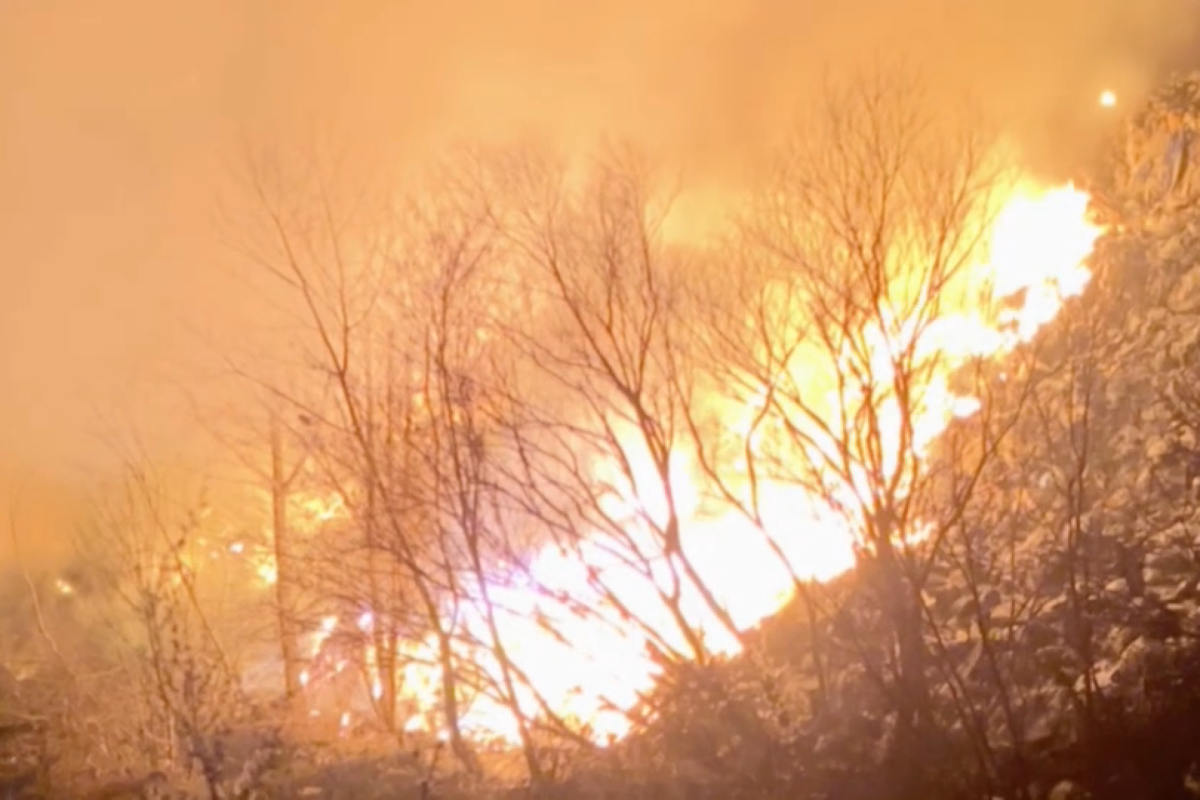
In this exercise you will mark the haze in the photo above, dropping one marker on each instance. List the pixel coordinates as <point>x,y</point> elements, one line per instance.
<point>120,123</point>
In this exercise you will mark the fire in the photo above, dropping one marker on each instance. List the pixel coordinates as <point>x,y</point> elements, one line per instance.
<point>1040,242</point>
<point>1108,99</point>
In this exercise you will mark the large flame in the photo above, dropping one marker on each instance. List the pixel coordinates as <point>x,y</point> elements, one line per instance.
<point>1040,242</point>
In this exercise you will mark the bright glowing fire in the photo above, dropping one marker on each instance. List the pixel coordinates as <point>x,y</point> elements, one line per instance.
<point>1041,239</point>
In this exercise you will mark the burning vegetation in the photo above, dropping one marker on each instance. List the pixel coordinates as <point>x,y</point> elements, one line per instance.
<point>885,492</point>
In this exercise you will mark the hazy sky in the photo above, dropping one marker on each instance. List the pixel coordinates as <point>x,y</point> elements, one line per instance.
<point>119,118</point>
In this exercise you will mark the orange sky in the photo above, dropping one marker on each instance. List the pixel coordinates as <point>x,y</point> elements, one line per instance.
<point>117,121</point>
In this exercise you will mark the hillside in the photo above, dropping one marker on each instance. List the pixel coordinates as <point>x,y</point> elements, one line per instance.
<point>1060,606</point>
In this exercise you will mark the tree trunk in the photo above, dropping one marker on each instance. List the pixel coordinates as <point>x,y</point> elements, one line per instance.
<point>901,606</point>
<point>458,743</point>
<point>285,579</point>
<point>385,674</point>
<point>528,745</point>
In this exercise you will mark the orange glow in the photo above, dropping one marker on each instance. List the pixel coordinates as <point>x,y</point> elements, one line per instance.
<point>1040,241</point>
<point>266,570</point>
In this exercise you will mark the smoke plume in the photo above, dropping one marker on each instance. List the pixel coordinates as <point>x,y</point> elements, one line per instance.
<point>119,119</point>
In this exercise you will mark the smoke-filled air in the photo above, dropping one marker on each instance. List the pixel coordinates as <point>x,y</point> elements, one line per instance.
<point>680,400</point>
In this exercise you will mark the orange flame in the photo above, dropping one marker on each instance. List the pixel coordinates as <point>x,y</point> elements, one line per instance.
<point>1039,245</point>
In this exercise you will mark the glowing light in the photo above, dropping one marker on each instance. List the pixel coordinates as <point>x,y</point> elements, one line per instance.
<point>236,548</point>
<point>63,587</point>
<point>319,509</point>
<point>1041,241</point>
<point>593,670</point>
<point>267,571</point>
<point>1108,99</point>
<point>327,627</point>
<point>1039,244</point>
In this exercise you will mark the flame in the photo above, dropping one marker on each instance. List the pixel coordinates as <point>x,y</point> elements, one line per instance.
<point>265,569</point>
<point>306,513</point>
<point>319,509</point>
<point>1039,245</point>
<point>1108,99</point>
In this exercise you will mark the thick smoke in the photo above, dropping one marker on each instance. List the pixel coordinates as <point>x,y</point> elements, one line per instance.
<point>117,119</point>
<point>712,80</point>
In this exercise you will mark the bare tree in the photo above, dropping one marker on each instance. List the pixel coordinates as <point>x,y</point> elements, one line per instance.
<point>459,373</point>
<point>148,536</point>
<point>335,270</point>
<point>286,582</point>
<point>830,331</point>
<point>272,455</point>
<point>600,461</point>
<point>438,438</point>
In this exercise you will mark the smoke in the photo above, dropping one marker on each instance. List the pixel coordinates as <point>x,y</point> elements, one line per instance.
<point>710,79</point>
<point>118,121</point>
